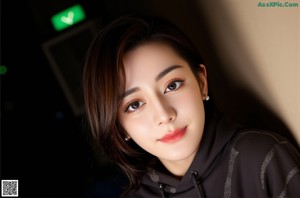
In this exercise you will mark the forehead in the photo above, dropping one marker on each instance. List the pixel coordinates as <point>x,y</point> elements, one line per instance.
<point>151,55</point>
<point>144,63</point>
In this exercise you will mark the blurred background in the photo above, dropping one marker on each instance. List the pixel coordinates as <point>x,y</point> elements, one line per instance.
<point>251,52</point>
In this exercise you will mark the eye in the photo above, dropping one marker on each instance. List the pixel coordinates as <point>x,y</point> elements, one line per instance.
<point>134,106</point>
<point>174,85</point>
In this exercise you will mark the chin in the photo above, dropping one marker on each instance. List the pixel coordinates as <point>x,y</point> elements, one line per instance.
<point>180,154</point>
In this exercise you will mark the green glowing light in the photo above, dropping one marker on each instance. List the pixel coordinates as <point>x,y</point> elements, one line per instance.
<point>68,17</point>
<point>3,69</point>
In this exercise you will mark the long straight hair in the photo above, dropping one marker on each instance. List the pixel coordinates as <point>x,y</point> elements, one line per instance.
<point>104,84</point>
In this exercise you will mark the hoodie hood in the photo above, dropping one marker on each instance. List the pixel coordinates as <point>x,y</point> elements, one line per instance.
<point>218,131</point>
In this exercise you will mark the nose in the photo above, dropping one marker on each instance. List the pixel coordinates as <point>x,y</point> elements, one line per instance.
<point>163,111</point>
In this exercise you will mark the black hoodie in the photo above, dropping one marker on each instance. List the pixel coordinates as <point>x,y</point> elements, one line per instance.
<point>231,162</point>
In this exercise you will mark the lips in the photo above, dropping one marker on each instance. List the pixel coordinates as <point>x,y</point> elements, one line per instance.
<point>175,136</point>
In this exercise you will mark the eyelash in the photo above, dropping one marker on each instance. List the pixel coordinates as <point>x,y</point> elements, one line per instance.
<point>176,80</point>
<point>131,103</point>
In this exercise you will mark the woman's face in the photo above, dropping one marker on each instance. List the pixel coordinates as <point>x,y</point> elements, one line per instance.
<point>162,109</point>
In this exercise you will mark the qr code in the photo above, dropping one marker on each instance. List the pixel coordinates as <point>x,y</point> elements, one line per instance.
<point>10,188</point>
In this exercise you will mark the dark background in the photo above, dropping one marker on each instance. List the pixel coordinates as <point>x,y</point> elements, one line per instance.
<point>44,142</point>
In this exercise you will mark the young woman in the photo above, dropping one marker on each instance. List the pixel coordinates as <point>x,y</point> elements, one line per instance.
<point>147,103</point>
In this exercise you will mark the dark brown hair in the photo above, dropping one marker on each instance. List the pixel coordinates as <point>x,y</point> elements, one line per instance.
<point>104,84</point>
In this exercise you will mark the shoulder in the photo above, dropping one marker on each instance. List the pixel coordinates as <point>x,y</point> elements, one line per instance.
<point>261,145</point>
<point>269,159</point>
<point>258,140</point>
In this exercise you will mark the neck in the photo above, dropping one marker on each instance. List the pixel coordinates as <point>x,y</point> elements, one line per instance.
<point>178,168</point>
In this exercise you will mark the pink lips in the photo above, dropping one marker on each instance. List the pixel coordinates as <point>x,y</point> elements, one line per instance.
<point>174,136</point>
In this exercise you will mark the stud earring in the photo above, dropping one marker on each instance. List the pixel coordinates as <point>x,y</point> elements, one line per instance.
<point>206,98</point>
<point>127,138</point>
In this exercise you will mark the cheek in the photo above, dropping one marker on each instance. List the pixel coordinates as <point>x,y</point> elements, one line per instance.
<point>135,126</point>
<point>190,100</point>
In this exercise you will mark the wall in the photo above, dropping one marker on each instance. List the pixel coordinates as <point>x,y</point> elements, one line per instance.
<point>252,56</point>
<point>261,45</point>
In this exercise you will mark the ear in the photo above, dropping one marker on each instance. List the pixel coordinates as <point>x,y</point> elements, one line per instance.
<point>203,81</point>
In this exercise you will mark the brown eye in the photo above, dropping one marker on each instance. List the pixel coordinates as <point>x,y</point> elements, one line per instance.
<point>134,106</point>
<point>174,85</point>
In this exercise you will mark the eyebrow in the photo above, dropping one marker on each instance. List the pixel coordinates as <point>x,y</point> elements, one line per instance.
<point>130,91</point>
<point>157,78</point>
<point>166,71</point>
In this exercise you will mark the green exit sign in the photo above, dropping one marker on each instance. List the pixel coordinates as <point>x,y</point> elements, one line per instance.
<point>68,17</point>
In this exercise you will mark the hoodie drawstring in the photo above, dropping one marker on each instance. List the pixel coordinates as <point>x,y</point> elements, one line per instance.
<point>197,186</point>
<point>161,187</point>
